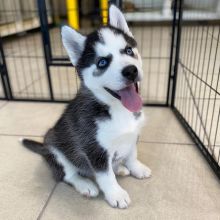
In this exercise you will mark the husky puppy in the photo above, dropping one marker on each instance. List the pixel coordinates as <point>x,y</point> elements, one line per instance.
<point>95,138</point>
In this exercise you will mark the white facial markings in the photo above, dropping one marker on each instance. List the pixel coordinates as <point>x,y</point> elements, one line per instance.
<point>112,43</point>
<point>110,77</point>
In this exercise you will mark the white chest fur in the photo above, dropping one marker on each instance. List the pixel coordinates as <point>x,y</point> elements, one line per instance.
<point>119,134</point>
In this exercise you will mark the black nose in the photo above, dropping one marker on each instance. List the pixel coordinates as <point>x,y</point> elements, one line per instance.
<point>130,73</point>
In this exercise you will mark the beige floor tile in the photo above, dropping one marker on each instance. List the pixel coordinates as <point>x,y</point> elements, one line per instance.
<point>162,126</point>
<point>22,118</point>
<point>25,181</point>
<point>2,103</point>
<point>182,187</point>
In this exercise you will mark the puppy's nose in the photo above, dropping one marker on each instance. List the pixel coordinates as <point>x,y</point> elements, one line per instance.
<point>130,72</point>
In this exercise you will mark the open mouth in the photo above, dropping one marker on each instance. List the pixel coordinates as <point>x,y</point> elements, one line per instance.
<point>129,97</point>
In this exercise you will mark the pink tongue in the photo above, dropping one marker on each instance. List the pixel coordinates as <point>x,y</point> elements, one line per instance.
<point>130,98</point>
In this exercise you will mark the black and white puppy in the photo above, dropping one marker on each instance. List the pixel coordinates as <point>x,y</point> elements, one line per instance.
<point>95,138</point>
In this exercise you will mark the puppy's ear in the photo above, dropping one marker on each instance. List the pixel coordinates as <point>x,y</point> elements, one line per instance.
<point>73,42</point>
<point>117,19</point>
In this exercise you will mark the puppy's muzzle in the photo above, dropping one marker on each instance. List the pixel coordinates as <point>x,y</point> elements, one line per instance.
<point>130,73</point>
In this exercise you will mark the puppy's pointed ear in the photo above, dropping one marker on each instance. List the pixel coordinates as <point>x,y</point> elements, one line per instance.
<point>117,19</point>
<point>73,42</point>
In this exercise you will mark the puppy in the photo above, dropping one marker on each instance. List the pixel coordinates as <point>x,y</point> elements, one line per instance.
<point>95,138</point>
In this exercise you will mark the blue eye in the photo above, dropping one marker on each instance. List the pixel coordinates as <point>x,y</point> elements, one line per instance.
<point>102,63</point>
<point>129,51</point>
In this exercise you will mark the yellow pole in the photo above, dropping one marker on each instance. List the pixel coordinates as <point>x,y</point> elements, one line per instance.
<point>72,13</point>
<point>104,11</point>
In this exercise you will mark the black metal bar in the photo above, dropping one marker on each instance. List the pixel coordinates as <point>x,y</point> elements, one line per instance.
<point>42,11</point>
<point>60,59</point>
<point>200,145</point>
<point>155,104</point>
<point>4,74</point>
<point>61,64</point>
<point>177,54</point>
<point>171,52</point>
<point>40,100</point>
<point>46,41</point>
<point>2,79</point>
<point>5,96</point>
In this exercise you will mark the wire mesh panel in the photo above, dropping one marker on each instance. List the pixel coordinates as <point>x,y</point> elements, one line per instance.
<point>88,15</point>
<point>64,78</point>
<point>198,86</point>
<point>40,71</point>
<point>65,82</point>
<point>23,49</point>
<point>154,46</point>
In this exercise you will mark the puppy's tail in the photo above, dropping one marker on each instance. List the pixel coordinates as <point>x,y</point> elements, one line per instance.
<point>35,146</point>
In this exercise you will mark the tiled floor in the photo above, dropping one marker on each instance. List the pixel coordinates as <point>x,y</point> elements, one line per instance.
<point>182,186</point>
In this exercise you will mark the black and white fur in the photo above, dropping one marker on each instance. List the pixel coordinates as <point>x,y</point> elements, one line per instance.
<point>95,138</point>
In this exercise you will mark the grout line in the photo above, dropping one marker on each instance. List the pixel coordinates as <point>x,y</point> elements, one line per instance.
<point>20,135</point>
<point>160,142</point>
<point>172,143</point>
<point>47,202</point>
<point>30,84</point>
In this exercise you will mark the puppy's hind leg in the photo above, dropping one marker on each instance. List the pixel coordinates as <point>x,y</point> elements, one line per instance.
<point>121,170</point>
<point>83,185</point>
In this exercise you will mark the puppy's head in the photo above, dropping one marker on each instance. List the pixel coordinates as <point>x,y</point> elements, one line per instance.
<point>107,60</point>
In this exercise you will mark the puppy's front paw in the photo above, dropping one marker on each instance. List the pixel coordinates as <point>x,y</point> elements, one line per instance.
<point>139,170</point>
<point>118,198</point>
